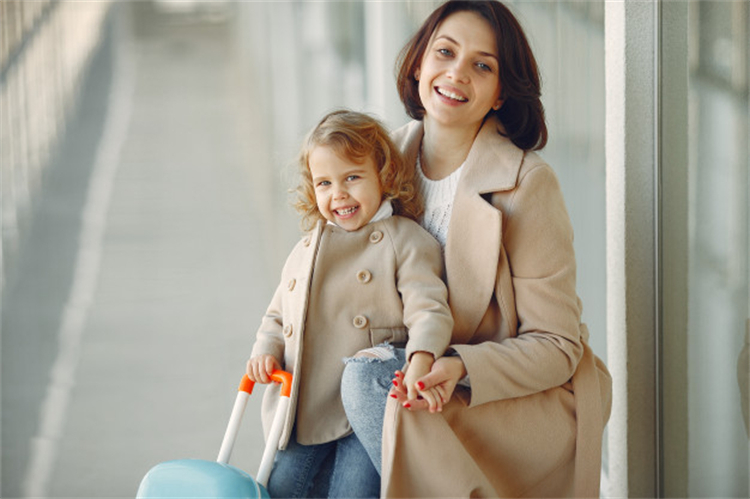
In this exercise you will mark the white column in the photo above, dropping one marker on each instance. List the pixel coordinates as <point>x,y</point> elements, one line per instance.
<point>387,30</point>
<point>631,100</point>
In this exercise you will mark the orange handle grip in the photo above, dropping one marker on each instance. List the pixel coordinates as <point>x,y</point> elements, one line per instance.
<point>278,376</point>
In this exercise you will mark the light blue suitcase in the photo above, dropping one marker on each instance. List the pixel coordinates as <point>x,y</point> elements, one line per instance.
<point>194,478</point>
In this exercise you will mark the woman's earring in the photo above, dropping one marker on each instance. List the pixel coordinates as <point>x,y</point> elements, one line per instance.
<point>497,105</point>
<point>416,75</point>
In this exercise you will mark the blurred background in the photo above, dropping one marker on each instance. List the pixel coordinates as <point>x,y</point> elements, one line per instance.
<point>146,151</point>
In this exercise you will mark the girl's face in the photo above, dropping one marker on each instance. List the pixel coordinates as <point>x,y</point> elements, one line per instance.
<point>347,193</point>
<point>458,75</point>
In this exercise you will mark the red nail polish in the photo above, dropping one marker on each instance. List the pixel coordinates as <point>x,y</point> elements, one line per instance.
<point>395,382</point>
<point>393,395</point>
<point>407,405</point>
<point>420,385</point>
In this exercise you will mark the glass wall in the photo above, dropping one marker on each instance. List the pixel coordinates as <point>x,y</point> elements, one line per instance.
<point>718,248</point>
<point>714,388</point>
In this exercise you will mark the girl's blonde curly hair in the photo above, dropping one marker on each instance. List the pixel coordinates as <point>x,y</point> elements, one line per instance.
<point>357,136</point>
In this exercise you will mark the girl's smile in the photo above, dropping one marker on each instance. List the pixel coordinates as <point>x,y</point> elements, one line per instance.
<point>346,212</point>
<point>347,193</point>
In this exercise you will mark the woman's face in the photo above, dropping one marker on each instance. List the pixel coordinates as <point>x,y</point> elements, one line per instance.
<point>458,76</point>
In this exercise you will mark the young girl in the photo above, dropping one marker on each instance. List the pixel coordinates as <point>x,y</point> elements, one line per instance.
<point>366,274</point>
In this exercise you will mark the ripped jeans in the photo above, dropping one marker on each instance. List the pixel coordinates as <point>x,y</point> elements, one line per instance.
<point>364,392</point>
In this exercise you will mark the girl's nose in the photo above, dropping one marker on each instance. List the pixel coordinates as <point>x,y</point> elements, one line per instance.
<point>340,193</point>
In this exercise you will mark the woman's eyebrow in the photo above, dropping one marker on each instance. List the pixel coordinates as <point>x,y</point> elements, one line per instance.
<point>486,54</point>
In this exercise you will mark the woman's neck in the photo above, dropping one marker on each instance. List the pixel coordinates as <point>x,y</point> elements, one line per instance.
<point>444,150</point>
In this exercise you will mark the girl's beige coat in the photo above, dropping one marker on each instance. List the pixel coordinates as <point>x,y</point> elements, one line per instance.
<point>532,422</point>
<point>341,292</point>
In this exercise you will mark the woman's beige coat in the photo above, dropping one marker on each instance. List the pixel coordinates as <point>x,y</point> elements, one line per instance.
<point>341,292</point>
<point>532,422</point>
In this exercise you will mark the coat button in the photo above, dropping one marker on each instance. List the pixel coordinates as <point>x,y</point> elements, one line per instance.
<point>306,241</point>
<point>360,322</point>
<point>292,282</point>
<point>376,236</point>
<point>364,276</point>
<point>288,330</point>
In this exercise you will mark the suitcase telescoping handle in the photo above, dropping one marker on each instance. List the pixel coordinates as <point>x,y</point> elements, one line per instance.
<point>243,393</point>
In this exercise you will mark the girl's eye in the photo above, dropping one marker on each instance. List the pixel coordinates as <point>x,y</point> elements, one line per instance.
<point>352,177</point>
<point>324,183</point>
<point>445,52</point>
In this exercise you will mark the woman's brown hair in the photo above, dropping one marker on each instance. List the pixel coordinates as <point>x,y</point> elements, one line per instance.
<point>522,112</point>
<point>357,136</point>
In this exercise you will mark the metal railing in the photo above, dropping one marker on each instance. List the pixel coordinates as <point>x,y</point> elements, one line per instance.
<point>45,47</point>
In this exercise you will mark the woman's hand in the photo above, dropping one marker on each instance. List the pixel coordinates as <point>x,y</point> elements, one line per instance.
<point>260,367</point>
<point>436,388</point>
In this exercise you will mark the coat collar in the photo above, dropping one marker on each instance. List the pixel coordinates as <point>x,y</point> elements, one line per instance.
<point>493,162</point>
<point>475,231</point>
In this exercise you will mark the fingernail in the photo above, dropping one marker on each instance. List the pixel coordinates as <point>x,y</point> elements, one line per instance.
<point>407,405</point>
<point>395,382</point>
<point>420,385</point>
<point>393,395</point>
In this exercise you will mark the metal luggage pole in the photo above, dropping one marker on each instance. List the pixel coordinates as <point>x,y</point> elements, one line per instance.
<point>272,444</point>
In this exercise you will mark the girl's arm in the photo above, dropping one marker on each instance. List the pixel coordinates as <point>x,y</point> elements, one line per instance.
<point>419,281</point>
<point>268,350</point>
<point>425,300</point>
<point>419,366</point>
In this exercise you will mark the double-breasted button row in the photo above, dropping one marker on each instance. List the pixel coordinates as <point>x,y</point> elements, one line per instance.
<point>360,322</point>
<point>364,276</point>
<point>288,330</point>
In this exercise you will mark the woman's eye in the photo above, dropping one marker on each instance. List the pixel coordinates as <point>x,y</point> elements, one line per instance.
<point>483,66</point>
<point>445,52</point>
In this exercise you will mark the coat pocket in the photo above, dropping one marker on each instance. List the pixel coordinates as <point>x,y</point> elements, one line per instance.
<point>394,335</point>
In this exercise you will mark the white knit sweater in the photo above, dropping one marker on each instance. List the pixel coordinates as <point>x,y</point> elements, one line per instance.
<point>438,202</point>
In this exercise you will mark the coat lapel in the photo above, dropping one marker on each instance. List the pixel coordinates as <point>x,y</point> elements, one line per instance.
<point>475,231</point>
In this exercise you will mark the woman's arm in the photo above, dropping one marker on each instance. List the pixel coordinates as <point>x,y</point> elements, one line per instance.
<point>538,244</point>
<point>538,241</point>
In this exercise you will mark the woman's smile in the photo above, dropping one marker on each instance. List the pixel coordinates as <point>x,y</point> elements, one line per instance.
<point>453,95</point>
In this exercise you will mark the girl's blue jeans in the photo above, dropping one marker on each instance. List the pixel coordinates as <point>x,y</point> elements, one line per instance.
<point>340,468</point>
<point>348,467</point>
<point>364,392</point>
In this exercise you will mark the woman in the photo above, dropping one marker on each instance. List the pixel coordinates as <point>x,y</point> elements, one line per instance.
<point>518,405</point>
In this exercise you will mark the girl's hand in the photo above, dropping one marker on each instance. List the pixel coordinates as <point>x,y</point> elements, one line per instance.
<point>419,366</point>
<point>436,387</point>
<point>260,367</point>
